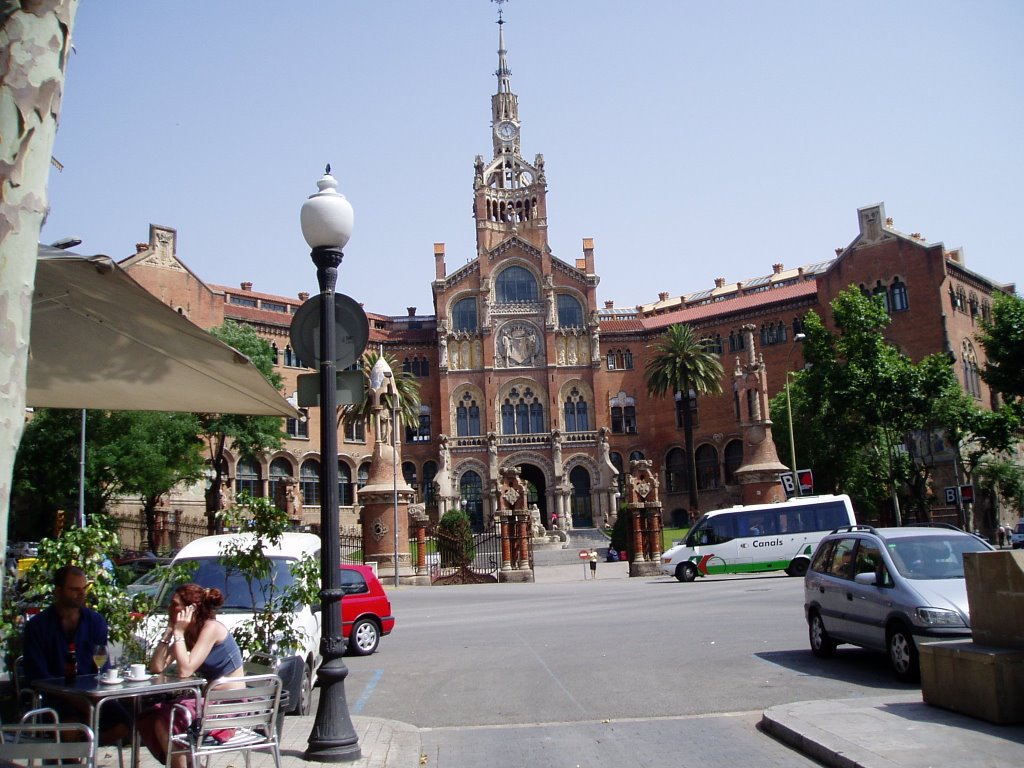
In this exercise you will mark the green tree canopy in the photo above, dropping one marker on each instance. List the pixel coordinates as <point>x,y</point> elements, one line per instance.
<point>1002,336</point>
<point>683,364</point>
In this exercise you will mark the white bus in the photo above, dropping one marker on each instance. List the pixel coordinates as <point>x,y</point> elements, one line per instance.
<point>758,537</point>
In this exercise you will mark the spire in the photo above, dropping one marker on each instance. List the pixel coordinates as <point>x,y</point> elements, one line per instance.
<point>504,103</point>
<point>503,73</point>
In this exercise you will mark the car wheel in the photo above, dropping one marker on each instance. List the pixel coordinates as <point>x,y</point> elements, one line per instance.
<point>798,567</point>
<point>363,638</point>
<point>686,571</point>
<point>305,702</point>
<point>822,644</point>
<point>902,653</point>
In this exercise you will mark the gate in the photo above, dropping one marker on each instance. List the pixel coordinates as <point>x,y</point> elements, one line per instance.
<point>472,560</point>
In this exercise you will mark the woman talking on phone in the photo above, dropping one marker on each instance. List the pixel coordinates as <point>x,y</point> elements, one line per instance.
<point>197,642</point>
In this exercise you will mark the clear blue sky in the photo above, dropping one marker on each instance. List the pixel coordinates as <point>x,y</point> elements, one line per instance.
<point>690,139</point>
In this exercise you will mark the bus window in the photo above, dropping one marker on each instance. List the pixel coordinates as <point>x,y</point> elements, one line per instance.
<point>713,530</point>
<point>830,515</point>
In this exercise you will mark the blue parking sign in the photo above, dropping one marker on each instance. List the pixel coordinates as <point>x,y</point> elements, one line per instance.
<point>951,495</point>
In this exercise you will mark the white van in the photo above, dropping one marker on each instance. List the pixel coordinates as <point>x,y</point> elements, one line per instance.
<point>297,672</point>
<point>758,537</point>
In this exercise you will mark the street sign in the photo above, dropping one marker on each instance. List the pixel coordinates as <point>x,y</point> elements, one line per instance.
<point>349,389</point>
<point>584,554</point>
<point>951,496</point>
<point>352,331</point>
<point>806,478</point>
<point>967,494</point>
<point>788,484</point>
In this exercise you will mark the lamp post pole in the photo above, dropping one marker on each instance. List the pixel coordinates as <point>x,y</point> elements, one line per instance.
<point>326,225</point>
<point>394,461</point>
<point>789,417</point>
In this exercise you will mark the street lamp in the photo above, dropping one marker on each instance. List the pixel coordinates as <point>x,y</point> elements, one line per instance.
<point>390,376</point>
<point>789,416</point>
<point>326,219</point>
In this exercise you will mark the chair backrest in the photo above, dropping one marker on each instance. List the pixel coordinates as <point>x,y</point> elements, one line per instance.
<point>24,695</point>
<point>228,705</point>
<point>38,741</point>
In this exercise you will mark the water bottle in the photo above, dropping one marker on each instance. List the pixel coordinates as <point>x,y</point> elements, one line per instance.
<point>70,664</point>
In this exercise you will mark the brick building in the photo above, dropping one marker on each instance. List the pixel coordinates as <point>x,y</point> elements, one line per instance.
<point>520,365</point>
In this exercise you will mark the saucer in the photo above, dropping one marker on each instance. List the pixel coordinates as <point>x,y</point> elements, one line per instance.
<point>109,681</point>
<point>142,679</point>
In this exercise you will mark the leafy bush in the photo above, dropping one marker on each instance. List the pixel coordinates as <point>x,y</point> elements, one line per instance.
<point>455,543</point>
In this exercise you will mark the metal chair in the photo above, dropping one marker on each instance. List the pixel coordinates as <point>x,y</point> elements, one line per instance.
<point>249,711</point>
<point>24,743</point>
<point>26,697</point>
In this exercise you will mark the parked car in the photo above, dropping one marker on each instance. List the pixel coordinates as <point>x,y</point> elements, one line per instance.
<point>365,609</point>
<point>888,589</point>
<point>298,668</point>
<point>1017,536</point>
<point>149,582</point>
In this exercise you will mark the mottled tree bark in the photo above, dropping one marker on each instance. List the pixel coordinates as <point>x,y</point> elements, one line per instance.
<point>35,39</point>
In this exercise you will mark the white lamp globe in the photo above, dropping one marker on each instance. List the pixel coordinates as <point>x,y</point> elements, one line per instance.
<point>326,217</point>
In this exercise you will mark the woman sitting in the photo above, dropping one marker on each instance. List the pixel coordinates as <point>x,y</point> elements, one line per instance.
<point>197,642</point>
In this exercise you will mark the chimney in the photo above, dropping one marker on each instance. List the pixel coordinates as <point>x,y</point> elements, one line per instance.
<point>246,285</point>
<point>439,267</point>
<point>588,255</point>
<point>411,311</point>
<point>140,247</point>
<point>303,296</point>
<point>719,282</point>
<point>609,304</point>
<point>663,296</point>
<point>776,269</point>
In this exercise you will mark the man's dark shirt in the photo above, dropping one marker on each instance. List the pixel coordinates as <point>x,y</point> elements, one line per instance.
<point>46,644</point>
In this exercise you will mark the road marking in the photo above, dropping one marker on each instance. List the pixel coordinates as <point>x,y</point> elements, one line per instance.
<point>367,690</point>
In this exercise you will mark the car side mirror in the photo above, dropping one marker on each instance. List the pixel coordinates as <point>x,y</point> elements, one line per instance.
<point>867,578</point>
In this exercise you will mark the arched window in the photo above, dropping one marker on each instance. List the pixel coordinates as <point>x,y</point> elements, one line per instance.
<point>582,512</point>
<point>570,312</point>
<point>627,360</point>
<point>576,412</point>
<point>522,414</point>
<point>427,492</point>
<point>898,293</point>
<point>733,460</point>
<point>409,473</point>
<point>275,352</point>
<point>248,478</point>
<point>467,417</point>
<point>636,456</point>
<point>881,294</point>
<point>961,299</point>
<point>515,285</point>
<point>280,468</point>
<point>675,471</point>
<point>309,481</point>
<point>470,492</point>
<point>363,475</point>
<point>345,491</point>
<point>355,429</point>
<point>464,315</point>
<point>707,467</point>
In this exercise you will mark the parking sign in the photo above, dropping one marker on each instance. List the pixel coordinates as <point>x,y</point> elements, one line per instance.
<point>951,496</point>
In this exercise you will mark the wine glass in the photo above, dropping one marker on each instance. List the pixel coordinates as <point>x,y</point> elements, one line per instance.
<point>99,657</point>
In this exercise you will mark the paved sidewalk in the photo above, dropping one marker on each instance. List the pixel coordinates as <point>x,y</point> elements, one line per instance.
<point>893,732</point>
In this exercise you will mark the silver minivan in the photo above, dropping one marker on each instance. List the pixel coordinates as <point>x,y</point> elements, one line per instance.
<point>887,589</point>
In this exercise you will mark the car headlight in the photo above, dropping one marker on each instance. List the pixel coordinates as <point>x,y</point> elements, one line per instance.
<point>939,617</point>
<point>666,560</point>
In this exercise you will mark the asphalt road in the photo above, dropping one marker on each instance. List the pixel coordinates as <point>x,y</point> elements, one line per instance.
<point>644,672</point>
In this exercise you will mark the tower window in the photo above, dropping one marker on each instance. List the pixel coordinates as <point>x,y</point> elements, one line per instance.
<point>464,315</point>
<point>570,312</point>
<point>516,284</point>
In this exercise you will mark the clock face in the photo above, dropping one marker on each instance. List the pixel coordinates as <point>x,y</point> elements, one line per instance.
<point>506,130</point>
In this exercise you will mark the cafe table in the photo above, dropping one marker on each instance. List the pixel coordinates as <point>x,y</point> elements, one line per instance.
<point>89,689</point>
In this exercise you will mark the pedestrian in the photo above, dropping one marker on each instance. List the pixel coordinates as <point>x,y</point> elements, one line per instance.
<point>198,643</point>
<point>59,641</point>
<point>554,521</point>
<point>593,563</point>
<point>1000,535</point>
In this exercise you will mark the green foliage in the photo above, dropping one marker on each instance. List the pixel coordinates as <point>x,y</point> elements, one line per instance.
<point>269,629</point>
<point>620,531</point>
<point>1002,336</point>
<point>87,548</point>
<point>456,546</point>
<point>682,363</point>
<point>1005,477</point>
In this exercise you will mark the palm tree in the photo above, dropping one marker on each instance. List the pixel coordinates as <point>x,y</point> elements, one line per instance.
<point>682,364</point>
<point>408,395</point>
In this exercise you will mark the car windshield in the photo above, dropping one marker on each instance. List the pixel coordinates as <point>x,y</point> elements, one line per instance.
<point>933,557</point>
<point>239,593</point>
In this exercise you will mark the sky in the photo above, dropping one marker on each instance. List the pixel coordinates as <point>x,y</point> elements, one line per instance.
<point>690,139</point>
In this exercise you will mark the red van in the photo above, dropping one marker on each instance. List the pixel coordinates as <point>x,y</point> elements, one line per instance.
<point>365,610</point>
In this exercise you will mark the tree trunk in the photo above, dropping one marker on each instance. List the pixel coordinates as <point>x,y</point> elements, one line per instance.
<point>35,38</point>
<point>691,460</point>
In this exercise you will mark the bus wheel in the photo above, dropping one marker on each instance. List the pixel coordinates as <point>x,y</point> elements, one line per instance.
<point>686,571</point>
<point>798,567</point>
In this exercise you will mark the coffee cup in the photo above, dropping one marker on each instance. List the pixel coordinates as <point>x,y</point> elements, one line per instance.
<point>110,674</point>
<point>138,670</point>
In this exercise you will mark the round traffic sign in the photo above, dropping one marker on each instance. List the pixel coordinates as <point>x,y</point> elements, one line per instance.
<point>351,331</point>
<point>584,554</point>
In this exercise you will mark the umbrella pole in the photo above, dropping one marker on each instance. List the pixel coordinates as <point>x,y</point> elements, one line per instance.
<point>81,476</point>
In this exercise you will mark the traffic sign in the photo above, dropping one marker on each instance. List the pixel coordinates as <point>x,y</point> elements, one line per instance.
<point>352,331</point>
<point>967,494</point>
<point>584,554</point>
<point>951,495</point>
<point>806,478</point>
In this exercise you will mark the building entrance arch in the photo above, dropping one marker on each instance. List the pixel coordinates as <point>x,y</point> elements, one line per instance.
<point>536,489</point>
